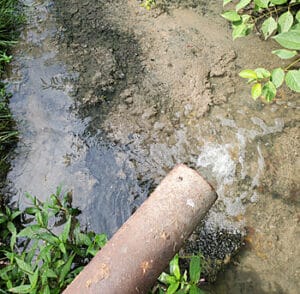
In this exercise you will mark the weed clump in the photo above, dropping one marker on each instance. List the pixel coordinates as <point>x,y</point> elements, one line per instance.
<point>10,20</point>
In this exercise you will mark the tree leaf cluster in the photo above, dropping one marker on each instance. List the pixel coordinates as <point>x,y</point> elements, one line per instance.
<point>280,20</point>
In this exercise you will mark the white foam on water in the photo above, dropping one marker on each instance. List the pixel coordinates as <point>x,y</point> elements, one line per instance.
<point>242,151</point>
<point>218,158</point>
<point>235,206</point>
<point>223,168</point>
<point>266,130</point>
<point>261,166</point>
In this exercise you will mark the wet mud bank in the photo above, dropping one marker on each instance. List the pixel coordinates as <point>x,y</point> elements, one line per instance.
<point>110,97</point>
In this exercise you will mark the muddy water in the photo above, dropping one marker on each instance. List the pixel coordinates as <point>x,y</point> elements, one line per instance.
<point>53,148</point>
<point>109,97</point>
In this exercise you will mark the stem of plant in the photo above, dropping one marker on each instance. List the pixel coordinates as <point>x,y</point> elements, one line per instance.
<point>292,64</point>
<point>275,10</point>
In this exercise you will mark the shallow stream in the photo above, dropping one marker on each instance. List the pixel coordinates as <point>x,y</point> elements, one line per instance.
<point>109,97</point>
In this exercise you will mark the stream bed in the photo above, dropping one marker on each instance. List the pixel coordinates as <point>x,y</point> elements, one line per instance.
<point>108,97</point>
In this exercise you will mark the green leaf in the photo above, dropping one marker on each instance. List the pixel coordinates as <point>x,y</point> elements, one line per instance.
<point>184,276</point>
<point>3,218</point>
<point>46,290</point>
<point>91,250</point>
<point>242,4</point>
<point>298,16</point>
<point>100,240</point>
<point>24,266</point>
<point>277,77</point>
<point>256,91</point>
<point>8,284</point>
<point>296,27</point>
<point>29,231</point>
<point>31,198</point>
<point>172,288</point>
<point>32,251</point>
<point>66,269</point>
<point>39,219</point>
<point>248,74</point>
<point>195,269</point>
<point>45,215</point>
<point>82,239</point>
<point>34,278</point>
<point>59,263</point>
<point>225,2</point>
<point>284,53</point>
<point>31,210</point>
<point>231,15</point>
<point>246,18</point>
<point>62,248</point>
<point>289,40</point>
<point>269,91</point>
<point>278,2</point>
<point>13,241</point>
<point>21,289</point>
<point>49,238</point>
<point>167,279</point>
<point>6,269</point>
<point>45,253</point>
<point>285,22</point>
<point>268,27</point>
<point>262,3</point>
<point>15,214</point>
<point>174,267</point>
<point>65,234</point>
<point>10,255</point>
<point>11,227</point>
<point>262,73</point>
<point>50,273</point>
<point>292,80</point>
<point>239,31</point>
<point>194,290</point>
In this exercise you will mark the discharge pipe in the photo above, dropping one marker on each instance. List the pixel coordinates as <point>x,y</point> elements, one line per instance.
<point>141,249</point>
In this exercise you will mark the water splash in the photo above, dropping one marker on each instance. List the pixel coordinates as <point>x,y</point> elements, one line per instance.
<point>219,159</point>
<point>229,172</point>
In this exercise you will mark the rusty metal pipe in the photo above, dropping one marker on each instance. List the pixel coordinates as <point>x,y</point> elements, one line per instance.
<point>142,248</point>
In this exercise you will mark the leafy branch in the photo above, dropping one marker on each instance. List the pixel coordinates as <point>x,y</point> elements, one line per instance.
<point>280,20</point>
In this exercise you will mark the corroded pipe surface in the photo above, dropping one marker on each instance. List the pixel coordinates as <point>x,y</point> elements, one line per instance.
<point>142,248</point>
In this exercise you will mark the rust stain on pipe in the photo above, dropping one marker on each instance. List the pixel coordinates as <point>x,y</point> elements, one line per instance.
<point>141,249</point>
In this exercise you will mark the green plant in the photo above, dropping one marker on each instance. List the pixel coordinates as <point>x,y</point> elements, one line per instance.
<point>8,134</point>
<point>176,282</point>
<point>148,4</point>
<point>10,19</point>
<point>38,257</point>
<point>280,20</point>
